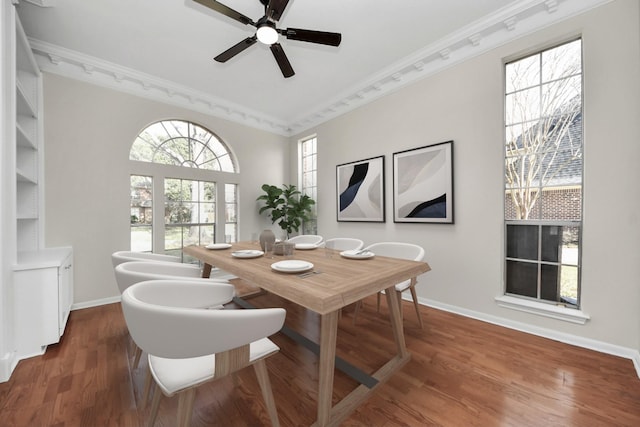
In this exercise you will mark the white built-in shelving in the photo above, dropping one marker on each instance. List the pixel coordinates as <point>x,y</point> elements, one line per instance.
<point>28,166</point>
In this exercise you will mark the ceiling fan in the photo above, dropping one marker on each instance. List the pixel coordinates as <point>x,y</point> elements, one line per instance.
<point>267,32</point>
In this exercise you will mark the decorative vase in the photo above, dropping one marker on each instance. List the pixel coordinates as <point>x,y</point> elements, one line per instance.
<point>267,236</point>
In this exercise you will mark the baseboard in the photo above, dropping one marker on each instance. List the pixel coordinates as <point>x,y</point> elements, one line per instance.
<point>601,346</point>
<point>95,303</point>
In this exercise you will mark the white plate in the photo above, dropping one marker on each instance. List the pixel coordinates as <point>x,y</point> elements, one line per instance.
<point>291,266</point>
<point>247,253</point>
<point>357,254</point>
<point>218,246</point>
<point>305,246</point>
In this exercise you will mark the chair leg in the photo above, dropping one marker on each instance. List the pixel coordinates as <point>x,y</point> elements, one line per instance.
<point>185,406</point>
<point>265,385</point>
<point>136,357</point>
<point>356,311</point>
<point>148,381</point>
<point>416,305</point>
<point>378,302</point>
<point>154,407</point>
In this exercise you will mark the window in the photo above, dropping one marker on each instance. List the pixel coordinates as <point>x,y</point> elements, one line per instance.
<point>231,213</point>
<point>191,174</point>
<point>141,213</point>
<point>543,175</point>
<point>308,171</point>
<point>189,213</point>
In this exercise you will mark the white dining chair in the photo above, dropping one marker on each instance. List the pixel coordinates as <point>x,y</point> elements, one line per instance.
<point>189,346</point>
<point>306,239</point>
<point>130,273</point>
<point>119,257</point>
<point>398,250</point>
<point>343,244</point>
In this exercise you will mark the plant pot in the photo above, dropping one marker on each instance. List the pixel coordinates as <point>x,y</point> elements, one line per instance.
<point>267,236</point>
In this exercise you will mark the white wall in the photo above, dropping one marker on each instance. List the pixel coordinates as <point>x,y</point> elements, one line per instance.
<point>88,133</point>
<point>465,104</point>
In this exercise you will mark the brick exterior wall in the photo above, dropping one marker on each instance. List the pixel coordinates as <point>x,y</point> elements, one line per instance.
<point>557,204</point>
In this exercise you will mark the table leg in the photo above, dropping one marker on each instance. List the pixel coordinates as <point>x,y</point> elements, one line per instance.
<point>328,336</point>
<point>393,302</point>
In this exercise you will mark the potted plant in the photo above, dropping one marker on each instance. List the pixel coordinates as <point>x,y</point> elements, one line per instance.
<point>286,206</point>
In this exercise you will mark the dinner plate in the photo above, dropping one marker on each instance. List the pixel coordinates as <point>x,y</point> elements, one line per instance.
<point>218,246</point>
<point>291,266</point>
<point>306,246</point>
<point>247,253</point>
<point>359,254</point>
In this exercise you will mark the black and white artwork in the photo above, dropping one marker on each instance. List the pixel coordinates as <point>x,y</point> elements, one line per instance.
<point>360,190</point>
<point>423,184</point>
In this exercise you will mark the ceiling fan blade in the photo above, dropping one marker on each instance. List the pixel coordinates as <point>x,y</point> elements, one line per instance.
<point>311,36</point>
<point>226,10</point>
<point>281,59</point>
<point>236,49</point>
<point>275,8</point>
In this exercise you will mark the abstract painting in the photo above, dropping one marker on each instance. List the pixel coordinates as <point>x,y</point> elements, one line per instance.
<point>360,190</point>
<point>423,184</point>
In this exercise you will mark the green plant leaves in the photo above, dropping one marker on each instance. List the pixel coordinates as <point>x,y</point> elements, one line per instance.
<point>286,206</point>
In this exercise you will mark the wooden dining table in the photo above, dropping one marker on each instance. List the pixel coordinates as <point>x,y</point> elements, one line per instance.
<point>339,282</point>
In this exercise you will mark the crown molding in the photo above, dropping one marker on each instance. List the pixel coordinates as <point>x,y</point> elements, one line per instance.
<point>58,60</point>
<point>510,23</point>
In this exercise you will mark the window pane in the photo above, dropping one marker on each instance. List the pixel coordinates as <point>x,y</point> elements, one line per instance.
<point>190,235</point>
<point>551,240</point>
<point>549,289</point>
<point>523,73</point>
<point>571,246</point>
<point>141,213</point>
<point>207,213</point>
<point>209,189</point>
<point>522,278</point>
<point>561,96</point>
<point>172,238</point>
<point>562,61</point>
<point>141,239</point>
<point>569,284</point>
<point>523,106</point>
<point>522,241</point>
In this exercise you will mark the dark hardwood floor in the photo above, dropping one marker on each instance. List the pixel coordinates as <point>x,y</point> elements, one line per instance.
<point>463,372</point>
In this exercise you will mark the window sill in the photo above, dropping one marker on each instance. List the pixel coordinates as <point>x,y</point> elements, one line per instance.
<point>542,309</point>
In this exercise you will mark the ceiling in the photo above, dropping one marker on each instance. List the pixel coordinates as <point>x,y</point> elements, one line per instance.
<point>164,49</point>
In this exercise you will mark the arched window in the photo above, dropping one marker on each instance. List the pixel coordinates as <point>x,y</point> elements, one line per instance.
<point>179,143</point>
<point>183,179</point>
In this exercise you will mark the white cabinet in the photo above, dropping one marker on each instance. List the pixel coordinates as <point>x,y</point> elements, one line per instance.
<point>43,296</point>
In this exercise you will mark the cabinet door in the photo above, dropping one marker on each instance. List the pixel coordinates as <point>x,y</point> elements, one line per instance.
<point>65,289</point>
<point>36,294</point>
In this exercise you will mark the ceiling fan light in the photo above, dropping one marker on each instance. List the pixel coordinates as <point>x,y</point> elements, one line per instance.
<point>267,34</point>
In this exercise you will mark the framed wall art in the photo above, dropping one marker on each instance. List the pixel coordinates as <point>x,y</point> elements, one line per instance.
<point>423,184</point>
<point>360,190</point>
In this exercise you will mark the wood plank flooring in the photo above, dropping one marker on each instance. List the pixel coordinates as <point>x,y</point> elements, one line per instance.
<point>463,372</point>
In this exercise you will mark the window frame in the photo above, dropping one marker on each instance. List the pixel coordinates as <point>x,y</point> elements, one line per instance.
<point>511,300</point>
<point>311,226</point>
